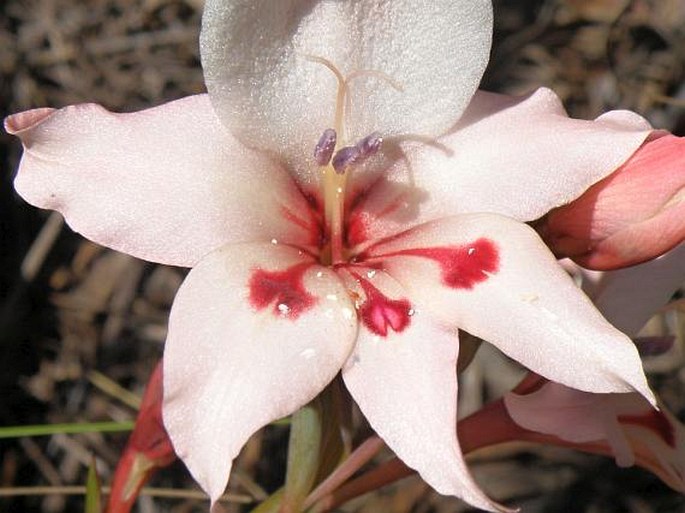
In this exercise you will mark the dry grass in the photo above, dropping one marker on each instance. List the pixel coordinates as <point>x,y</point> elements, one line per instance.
<point>81,326</point>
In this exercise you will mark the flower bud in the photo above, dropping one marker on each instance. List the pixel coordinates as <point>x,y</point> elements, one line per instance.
<point>148,449</point>
<point>635,214</point>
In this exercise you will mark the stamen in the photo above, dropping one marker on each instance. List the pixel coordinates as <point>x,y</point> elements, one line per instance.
<point>325,147</point>
<point>350,155</point>
<point>370,144</point>
<point>345,157</point>
<point>334,164</point>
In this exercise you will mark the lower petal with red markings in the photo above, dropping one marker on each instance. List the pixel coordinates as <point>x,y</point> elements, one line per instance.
<point>256,332</point>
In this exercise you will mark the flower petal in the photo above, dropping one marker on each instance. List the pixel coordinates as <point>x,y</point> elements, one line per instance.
<point>256,331</point>
<point>405,384</point>
<point>267,91</point>
<point>629,297</point>
<point>633,431</point>
<point>573,416</point>
<point>167,184</point>
<point>515,156</point>
<point>493,277</point>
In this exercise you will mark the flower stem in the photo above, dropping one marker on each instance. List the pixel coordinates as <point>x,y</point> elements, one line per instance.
<point>360,456</point>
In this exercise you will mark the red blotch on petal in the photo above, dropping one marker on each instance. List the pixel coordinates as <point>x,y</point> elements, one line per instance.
<point>462,266</point>
<point>379,312</point>
<point>282,289</point>
<point>356,231</point>
<point>654,421</point>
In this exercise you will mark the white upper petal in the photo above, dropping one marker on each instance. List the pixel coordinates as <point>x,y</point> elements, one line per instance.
<point>405,384</point>
<point>505,287</point>
<point>519,157</point>
<point>167,184</point>
<point>245,348</point>
<point>271,96</point>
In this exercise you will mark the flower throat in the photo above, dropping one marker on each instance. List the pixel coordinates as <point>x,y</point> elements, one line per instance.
<point>336,160</point>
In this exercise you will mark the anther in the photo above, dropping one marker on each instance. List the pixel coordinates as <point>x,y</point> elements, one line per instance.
<point>323,151</point>
<point>370,144</point>
<point>350,155</point>
<point>345,157</point>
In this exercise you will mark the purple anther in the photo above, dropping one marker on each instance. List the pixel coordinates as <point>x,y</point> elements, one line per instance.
<point>324,148</point>
<point>370,144</point>
<point>345,157</point>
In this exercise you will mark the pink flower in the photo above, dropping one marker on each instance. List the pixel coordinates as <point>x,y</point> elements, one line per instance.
<point>633,215</point>
<point>365,258</point>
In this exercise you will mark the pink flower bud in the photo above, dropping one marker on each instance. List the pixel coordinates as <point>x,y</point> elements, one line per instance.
<point>635,214</point>
<point>147,450</point>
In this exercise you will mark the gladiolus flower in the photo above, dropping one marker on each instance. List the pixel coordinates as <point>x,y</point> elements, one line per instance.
<point>633,215</point>
<point>347,202</point>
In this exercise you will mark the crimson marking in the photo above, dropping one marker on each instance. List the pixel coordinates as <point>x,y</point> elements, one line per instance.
<point>311,226</point>
<point>356,230</point>
<point>462,266</point>
<point>359,220</point>
<point>284,289</point>
<point>654,421</point>
<point>378,312</point>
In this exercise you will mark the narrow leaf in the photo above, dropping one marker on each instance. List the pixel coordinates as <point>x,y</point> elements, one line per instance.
<point>336,429</point>
<point>272,504</point>
<point>93,490</point>
<point>304,452</point>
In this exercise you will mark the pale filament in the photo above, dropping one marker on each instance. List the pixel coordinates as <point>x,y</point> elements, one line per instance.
<point>334,180</point>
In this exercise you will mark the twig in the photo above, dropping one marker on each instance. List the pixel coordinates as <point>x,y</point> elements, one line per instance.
<point>40,248</point>
<point>113,389</point>
<point>359,457</point>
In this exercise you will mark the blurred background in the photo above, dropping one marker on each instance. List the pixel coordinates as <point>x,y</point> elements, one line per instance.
<point>81,327</point>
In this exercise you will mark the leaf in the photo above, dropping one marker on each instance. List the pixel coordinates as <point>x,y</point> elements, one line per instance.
<point>336,429</point>
<point>272,504</point>
<point>304,456</point>
<point>93,490</point>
